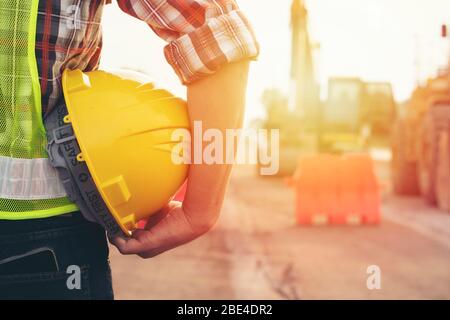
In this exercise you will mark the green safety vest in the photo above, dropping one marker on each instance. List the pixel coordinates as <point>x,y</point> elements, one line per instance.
<point>29,186</point>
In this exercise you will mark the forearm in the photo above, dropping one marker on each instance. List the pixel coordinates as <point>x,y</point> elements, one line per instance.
<point>218,102</point>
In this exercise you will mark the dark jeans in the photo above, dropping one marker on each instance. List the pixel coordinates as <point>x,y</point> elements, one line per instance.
<point>63,257</point>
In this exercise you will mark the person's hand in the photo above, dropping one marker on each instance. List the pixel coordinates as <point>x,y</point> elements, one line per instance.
<point>171,227</point>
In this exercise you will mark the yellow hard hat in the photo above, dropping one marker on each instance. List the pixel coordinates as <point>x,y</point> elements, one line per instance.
<point>123,129</point>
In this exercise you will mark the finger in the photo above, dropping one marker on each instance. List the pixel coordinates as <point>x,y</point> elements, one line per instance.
<point>139,242</point>
<point>118,241</point>
<point>147,255</point>
<point>172,231</point>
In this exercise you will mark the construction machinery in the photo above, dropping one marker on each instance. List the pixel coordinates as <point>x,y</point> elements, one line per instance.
<point>421,142</point>
<point>379,109</point>
<point>356,115</point>
<point>348,120</point>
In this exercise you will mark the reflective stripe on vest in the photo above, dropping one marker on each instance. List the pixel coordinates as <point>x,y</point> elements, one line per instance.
<point>29,187</point>
<point>29,179</point>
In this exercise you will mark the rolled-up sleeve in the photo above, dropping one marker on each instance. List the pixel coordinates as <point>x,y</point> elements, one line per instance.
<point>202,35</point>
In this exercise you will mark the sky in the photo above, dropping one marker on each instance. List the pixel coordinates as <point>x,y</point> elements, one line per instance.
<point>377,40</point>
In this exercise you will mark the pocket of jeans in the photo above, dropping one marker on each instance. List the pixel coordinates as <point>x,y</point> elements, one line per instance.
<point>72,283</point>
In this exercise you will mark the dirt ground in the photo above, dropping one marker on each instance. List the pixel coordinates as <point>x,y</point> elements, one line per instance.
<point>257,252</point>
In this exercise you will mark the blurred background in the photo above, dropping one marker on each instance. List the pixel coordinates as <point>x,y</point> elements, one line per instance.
<point>360,91</point>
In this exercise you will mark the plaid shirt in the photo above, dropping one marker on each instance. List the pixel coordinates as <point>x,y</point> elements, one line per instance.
<point>202,36</point>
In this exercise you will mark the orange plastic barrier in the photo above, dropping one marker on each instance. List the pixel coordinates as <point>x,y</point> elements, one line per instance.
<point>336,190</point>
